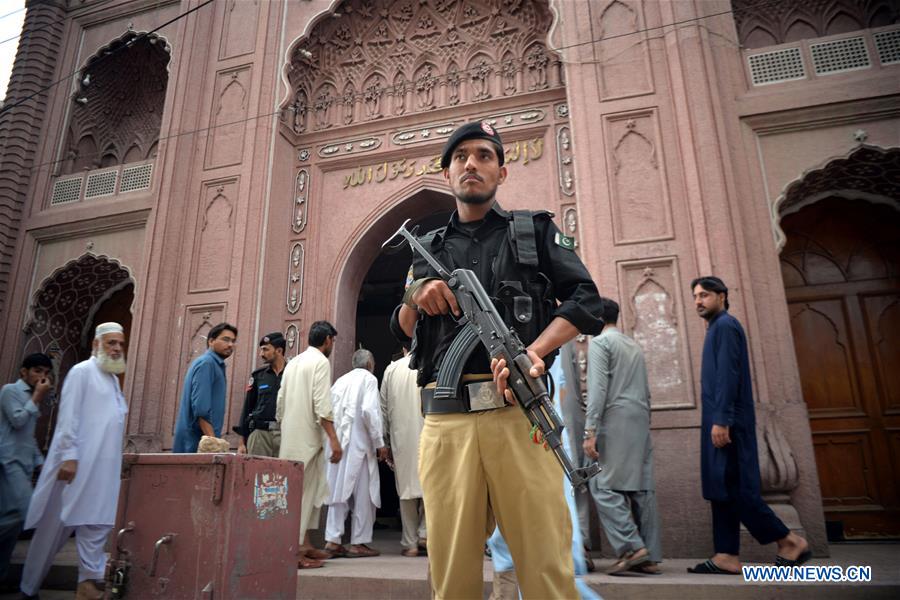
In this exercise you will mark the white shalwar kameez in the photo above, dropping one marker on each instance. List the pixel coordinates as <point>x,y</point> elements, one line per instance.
<point>357,419</point>
<point>89,429</point>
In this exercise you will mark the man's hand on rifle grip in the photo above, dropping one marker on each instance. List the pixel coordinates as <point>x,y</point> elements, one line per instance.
<point>501,373</point>
<point>435,298</point>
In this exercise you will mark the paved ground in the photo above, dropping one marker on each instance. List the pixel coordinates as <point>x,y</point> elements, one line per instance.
<point>392,576</point>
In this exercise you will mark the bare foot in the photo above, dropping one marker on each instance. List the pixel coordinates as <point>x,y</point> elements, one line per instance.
<point>727,562</point>
<point>792,546</point>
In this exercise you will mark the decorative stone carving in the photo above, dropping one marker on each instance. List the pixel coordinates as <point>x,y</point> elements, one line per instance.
<point>641,210</point>
<point>399,92</point>
<point>299,110</point>
<point>508,72</point>
<point>537,61</point>
<point>652,316</point>
<point>322,106</point>
<point>295,278</point>
<point>117,109</point>
<point>480,74</point>
<point>239,28</point>
<point>426,133</point>
<point>425,83</point>
<point>303,155</point>
<point>453,80</point>
<point>623,61</point>
<point>349,147</point>
<point>300,204</point>
<point>372,93</point>
<point>348,99</point>
<point>464,42</point>
<point>211,268</point>
<point>292,339</point>
<point>759,26</point>
<point>866,172</point>
<point>570,221</point>
<point>225,144</point>
<point>778,471</point>
<point>566,158</point>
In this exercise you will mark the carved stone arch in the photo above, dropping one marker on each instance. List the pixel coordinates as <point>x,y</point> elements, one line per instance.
<point>867,172</point>
<point>423,196</point>
<point>61,314</point>
<point>538,67</point>
<point>119,98</point>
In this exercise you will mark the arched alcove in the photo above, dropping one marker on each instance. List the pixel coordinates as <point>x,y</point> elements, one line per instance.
<point>119,103</point>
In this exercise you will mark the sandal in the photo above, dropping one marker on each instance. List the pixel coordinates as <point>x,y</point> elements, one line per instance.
<point>309,563</point>
<point>363,552</point>
<point>638,557</point>
<point>781,561</point>
<point>709,568</point>
<point>336,550</point>
<point>316,554</point>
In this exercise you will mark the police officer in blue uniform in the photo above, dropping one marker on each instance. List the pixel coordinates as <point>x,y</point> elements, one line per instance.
<point>258,428</point>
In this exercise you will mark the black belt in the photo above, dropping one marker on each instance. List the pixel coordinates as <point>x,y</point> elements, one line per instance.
<point>461,404</point>
<point>253,425</point>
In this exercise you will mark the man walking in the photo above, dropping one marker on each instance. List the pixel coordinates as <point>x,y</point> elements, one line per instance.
<point>477,461</point>
<point>617,435</point>
<point>258,429</point>
<point>304,413</point>
<point>354,480</point>
<point>729,464</point>
<point>202,410</point>
<point>20,404</point>
<point>402,428</point>
<point>78,488</point>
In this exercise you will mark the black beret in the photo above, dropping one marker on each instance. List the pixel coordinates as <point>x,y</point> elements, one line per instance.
<point>276,339</point>
<point>480,130</point>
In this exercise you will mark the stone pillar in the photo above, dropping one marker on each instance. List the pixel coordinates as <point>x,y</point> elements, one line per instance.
<point>20,126</point>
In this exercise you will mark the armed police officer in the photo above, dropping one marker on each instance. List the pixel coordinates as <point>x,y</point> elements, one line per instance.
<point>258,429</point>
<point>477,461</point>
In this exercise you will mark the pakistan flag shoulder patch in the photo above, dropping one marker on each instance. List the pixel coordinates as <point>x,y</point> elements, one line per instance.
<point>564,241</point>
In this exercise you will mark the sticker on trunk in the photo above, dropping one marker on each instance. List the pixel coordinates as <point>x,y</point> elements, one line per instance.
<point>270,494</point>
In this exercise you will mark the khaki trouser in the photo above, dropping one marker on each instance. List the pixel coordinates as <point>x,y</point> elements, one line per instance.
<point>478,466</point>
<point>264,443</point>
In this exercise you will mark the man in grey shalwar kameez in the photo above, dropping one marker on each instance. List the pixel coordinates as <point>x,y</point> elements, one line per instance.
<point>617,434</point>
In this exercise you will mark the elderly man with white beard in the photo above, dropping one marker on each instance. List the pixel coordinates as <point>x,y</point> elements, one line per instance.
<point>78,488</point>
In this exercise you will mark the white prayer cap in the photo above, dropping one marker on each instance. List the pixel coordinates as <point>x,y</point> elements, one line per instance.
<point>110,327</point>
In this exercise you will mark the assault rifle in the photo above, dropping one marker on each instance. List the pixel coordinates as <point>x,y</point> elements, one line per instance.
<point>482,323</point>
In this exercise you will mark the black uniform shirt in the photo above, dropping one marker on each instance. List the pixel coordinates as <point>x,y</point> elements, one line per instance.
<point>261,398</point>
<point>477,246</point>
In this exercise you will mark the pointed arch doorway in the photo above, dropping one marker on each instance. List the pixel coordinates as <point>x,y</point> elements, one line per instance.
<point>841,269</point>
<point>381,290</point>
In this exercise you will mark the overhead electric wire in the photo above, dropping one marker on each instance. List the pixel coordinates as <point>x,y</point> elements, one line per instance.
<point>407,85</point>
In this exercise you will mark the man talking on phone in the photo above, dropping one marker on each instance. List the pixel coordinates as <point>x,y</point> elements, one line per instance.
<point>20,407</point>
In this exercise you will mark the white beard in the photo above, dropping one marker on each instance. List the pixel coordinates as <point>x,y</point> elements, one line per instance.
<point>114,366</point>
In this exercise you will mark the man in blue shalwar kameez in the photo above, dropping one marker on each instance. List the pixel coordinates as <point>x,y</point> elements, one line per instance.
<point>729,462</point>
<point>202,409</point>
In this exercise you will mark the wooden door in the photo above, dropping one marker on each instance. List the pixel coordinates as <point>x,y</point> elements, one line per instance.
<point>842,277</point>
